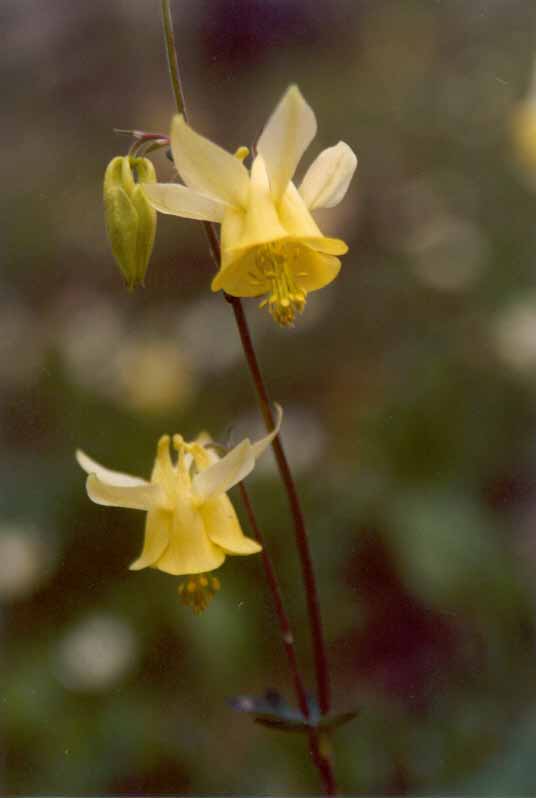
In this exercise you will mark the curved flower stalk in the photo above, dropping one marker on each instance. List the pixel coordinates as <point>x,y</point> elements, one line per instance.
<point>270,243</point>
<point>191,524</point>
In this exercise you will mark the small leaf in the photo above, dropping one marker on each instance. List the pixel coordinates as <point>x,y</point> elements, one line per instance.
<point>331,722</point>
<point>272,710</point>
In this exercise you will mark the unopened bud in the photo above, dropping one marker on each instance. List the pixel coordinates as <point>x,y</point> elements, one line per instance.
<point>130,220</point>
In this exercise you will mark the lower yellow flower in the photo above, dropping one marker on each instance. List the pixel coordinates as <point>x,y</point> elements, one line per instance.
<point>191,524</point>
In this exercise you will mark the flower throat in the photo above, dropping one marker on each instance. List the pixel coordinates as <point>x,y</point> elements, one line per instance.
<point>273,264</point>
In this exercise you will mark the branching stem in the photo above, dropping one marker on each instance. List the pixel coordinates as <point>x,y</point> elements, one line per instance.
<point>320,759</point>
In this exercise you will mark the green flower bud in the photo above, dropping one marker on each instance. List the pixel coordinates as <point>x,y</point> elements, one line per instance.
<point>130,220</point>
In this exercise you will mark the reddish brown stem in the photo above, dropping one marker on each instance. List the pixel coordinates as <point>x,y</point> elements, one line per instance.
<point>300,531</point>
<point>322,762</point>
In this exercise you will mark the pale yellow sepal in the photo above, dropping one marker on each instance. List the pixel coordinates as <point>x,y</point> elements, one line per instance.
<point>207,168</point>
<point>224,474</point>
<point>177,200</point>
<point>134,497</point>
<point>327,179</point>
<point>286,136</point>
<point>105,474</point>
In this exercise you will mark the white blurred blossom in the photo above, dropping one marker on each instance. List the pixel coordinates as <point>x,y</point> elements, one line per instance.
<point>514,335</point>
<point>206,327</point>
<point>88,338</point>
<point>19,333</point>
<point>448,254</point>
<point>24,561</point>
<point>446,250</point>
<point>153,375</point>
<point>97,653</point>
<point>142,368</point>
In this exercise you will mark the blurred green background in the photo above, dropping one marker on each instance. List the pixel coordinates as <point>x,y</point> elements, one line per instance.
<point>409,387</point>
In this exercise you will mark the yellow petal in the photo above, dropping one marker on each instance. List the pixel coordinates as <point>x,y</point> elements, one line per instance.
<point>178,200</point>
<point>235,278</point>
<point>286,136</point>
<point>327,246</point>
<point>243,232</point>
<point>317,271</point>
<point>232,231</point>
<point>261,221</point>
<point>223,527</point>
<point>328,177</point>
<point>295,215</point>
<point>189,551</point>
<point>309,259</point>
<point>135,497</point>
<point>105,474</point>
<point>206,167</point>
<point>157,536</point>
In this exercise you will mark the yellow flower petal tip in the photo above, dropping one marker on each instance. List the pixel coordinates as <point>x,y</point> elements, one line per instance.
<point>191,525</point>
<point>271,246</point>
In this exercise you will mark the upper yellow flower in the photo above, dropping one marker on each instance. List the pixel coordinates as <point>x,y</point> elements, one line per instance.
<point>270,242</point>
<point>191,524</point>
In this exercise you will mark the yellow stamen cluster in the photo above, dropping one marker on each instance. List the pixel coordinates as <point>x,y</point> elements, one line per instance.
<point>198,591</point>
<point>286,299</point>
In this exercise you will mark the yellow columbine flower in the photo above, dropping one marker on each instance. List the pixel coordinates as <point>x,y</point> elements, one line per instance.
<point>270,242</point>
<point>191,524</point>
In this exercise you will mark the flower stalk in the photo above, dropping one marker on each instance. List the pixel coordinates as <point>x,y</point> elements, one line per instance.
<point>321,760</point>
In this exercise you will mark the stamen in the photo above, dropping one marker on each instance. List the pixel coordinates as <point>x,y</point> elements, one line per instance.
<point>286,299</point>
<point>198,591</point>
